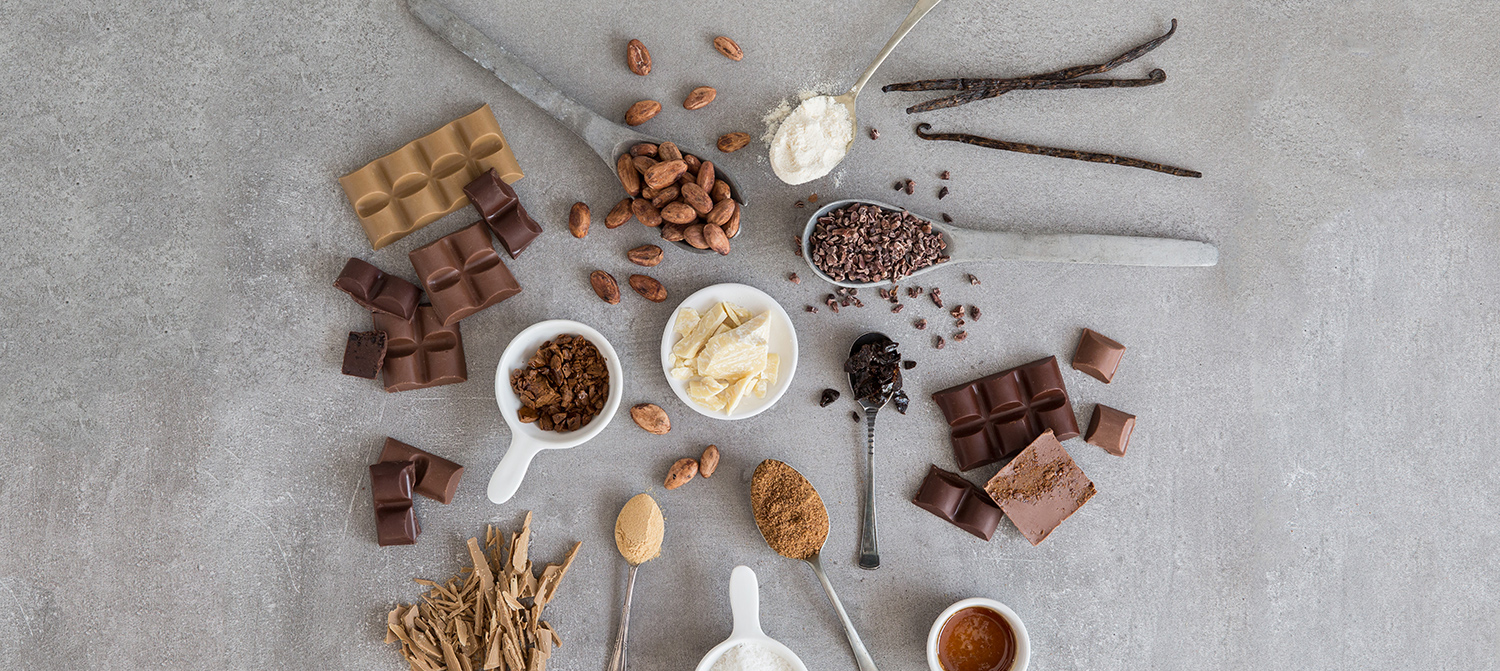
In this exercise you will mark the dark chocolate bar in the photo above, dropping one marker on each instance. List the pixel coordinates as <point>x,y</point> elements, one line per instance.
<point>422,352</point>
<point>1040,488</point>
<point>1098,356</point>
<point>390,488</point>
<point>502,211</point>
<point>960,502</point>
<point>364,353</point>
<point>436,477</point>
<point>462,273</point>
<point>376,290</point>
<point>995,417</point>
<point>1110,429</point>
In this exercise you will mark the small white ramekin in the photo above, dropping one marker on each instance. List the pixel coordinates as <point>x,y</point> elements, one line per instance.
<point>1023,641</point>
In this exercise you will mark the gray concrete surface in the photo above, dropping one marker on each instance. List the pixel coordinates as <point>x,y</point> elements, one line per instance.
<point>1313,483</point>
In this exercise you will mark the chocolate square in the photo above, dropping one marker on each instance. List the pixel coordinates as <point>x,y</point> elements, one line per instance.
<point>436,477</point>
<point>1097,355</point>
<point>422,352</point>
<point>390,490</point>
<point>960,502</point>
<point>997,416</point>
<point>1110,429</point>
<point>502,211</point>
<point>462,273</point>
<point>378,291</point>
<point>1040,488</point>
<point>364,353</point>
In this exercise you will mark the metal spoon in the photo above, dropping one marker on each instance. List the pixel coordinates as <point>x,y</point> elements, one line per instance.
<point>861,655</point>
<point>847,100</point>
<point>869,545</point>
<point>608,139</point>
<point>622,637</point>
<point>967,245</point>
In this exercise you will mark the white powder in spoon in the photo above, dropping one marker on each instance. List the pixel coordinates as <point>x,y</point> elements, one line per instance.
<point>812,140</point>
<point>751,657</point>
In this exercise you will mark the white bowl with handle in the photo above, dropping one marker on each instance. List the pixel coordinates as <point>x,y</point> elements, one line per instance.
<point>744,603</point>
<point>527,439</point>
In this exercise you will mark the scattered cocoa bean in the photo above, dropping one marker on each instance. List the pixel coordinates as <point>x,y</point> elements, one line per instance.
<point>732,142</point>
<point>700,97</point>
<point>973,279</point>
<point>709,462</point>
<point>974,312</point>
<point>920,324</point>
<point>605,286</point>
<point>910,187</point>
<point>799,205</point>
<point>829,396</point>
<point>648,288</point>
<point>731,50</point>
<point>618,215</point>
<point>897,308</point>
<point>937,297</point>
<point>961,336</point>
<point>940,343</point>
<point>947,219</point>
<point>793,277</point>
<point>874,134</point>
<point>908,364</point>
<point>810,308</point>
<point>637,58</point>
<point>899,185</point>
<point>652,418</point>
<point>942,193</point>
<point>645,255</point>
<point>944,175</point>
<point>681,472</point>
<point>641,112</point>
<point>579,220</point>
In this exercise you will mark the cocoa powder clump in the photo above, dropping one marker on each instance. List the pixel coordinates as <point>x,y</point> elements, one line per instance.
<point>788,510</point>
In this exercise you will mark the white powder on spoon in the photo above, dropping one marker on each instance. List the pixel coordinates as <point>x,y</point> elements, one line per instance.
<point>812,140</point>
<point>751,657</point>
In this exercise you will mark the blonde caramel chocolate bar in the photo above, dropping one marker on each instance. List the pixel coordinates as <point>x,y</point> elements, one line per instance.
<point>417,184</point>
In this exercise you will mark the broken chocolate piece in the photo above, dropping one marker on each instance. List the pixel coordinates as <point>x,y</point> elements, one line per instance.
<point>502,211</point>
<point>390,489</point>
<point>1040,488</point>
<point>421,353</point>
<point>962,503</point>
<point>1110,429</point>
<point>435,477</point>
<point>462,273</point>
<point>376,290</point>
<point>1098,356</point>
<point>364,354</point>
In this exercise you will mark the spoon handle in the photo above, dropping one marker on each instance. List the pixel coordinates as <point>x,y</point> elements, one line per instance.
<point>869,544</point>
<point>1116,250</point>
<point>917,12</point>
<point>617,662</point>
<point>861,655</point>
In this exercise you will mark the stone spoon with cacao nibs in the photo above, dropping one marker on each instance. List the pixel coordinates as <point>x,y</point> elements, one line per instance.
<point>867,243</point>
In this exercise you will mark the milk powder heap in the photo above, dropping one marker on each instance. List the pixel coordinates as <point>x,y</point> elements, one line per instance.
<point>751,657</point>
<point>812,140</point>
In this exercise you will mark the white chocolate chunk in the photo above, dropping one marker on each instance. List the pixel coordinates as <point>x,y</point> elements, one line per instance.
<point>687,319</point>
<point>737,353</point>
<point>736,393</point>
<point>690,344</point>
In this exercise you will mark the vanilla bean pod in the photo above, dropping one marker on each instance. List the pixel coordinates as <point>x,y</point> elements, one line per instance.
<point>991,87</point>
<point>1155,77</point>
<point>1018,147</point>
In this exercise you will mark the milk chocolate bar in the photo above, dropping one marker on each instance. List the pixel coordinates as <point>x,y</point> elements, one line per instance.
<point>378,291</point>
<point>435,477</point>
<point>421,353</point>
<point>995,417</point>
<point>424,180</point>
<point>1040,488</point>
<point>462,273</point>
<point>1110,429</point>
<point>962,503</point>
<point>1098,356</point>
<point>502,211</point>
<point>390,488</point>
<point>364,354</point>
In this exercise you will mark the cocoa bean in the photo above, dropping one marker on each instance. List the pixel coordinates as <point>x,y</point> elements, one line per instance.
<point>677,212</point>
<point>693,162</point>
<point>730,49</point>
<point>700,97</point>
<point>642,112</point>
<point>720,190</point>
<point>730,142</point>
<point>732,228</point>
<point>721,213</point>
<point>643,149</point>
<point>648,288</point>
<point>645,255</point>
<point>637,58</point>
<point>709,462</point>
<point>672,232</point>
<point>693,235</point>
<point>693,195</point>
<point>668,151</point>
<point>716,239</point>
<point>665,196</point>
<point>652,418</point>
<point>681,472</point>
<point>578,220</point>
<point>643,163</point>
<point>662,174</point>
<point>645,212</point>
<point>605,286</point>
<point>706,176</point>
<point>629,177</point>
<point>618,215</point>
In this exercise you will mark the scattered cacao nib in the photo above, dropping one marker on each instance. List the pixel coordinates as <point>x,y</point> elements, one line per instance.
<point>942,193</point>
<point>944,175</point>
<point>794,279</point>
<point>937,297</point>
<point>974,313</point>
<point>798,238</point>
<point>857,302</point>
<point>884,293</point>
<point>957,311</point>
<point>813,198</point>
<point>919,324</point>
<point>947,219</point>
<point>897,308</point>
<point>874,134</point>
<point>829,396</point>
<point>901,401</point>
<point>833,304</point>
<point>973,279</point>
<point>875,370</point>
<point>940,343</point>
<point>810,308</point>
<point>855,415</point>
<point>913,292</point>
<point>958,323</point>
<point>899,185</point>
<point>910,187</point>
<point>908,364</point>
<point>799,205</point>
<point>961,336</point>
<point>866,243</point>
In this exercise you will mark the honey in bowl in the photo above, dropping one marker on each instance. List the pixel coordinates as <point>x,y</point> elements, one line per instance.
<point>976,639</point>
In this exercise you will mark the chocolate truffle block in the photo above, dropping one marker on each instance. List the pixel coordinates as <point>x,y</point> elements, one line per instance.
<point>390,487</point>
<point>995,417</point>
<point>422,352</point>
<point>502,211</point>
<point>436,477</point>
<point>375,290</point>
<point>1040,488</point>
<point>364,354</point>
<point>463,274</point>
<point>1110,429</point>
<point>960,502</point>
<point>1097,355</point>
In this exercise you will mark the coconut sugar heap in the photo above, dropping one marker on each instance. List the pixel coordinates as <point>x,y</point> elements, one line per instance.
<point>788,510</point>
<point>812,140</point>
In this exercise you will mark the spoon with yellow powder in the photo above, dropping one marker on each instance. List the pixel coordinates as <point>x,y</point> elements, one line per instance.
<point>638,533</point>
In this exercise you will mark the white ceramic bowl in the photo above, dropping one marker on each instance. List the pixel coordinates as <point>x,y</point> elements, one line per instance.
<point>1023,641</point>
<point>782,342</point>
<point>527,439</point>
<point>744,604</point>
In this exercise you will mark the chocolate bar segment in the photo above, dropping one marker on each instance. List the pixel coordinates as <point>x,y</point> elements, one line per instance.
<point>1040,488</point>
<point>435,478</point>
<point>502,211</point>
<point>1098,356</point>
<point>995,417</point>
<point>364,354</point>
<point>378,291</point>
<point>421,353</point>
<point>960,502</point>
<point>422,181</point>
<point>463,274</point>
<point>1110,429</point>
<point>390,487</point>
